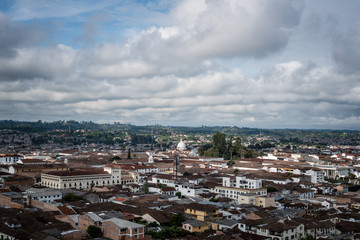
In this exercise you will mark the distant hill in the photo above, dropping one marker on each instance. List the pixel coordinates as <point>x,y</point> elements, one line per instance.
<point>296,136</point>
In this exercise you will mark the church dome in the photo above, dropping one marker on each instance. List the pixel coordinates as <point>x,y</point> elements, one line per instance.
<point>181,146</point>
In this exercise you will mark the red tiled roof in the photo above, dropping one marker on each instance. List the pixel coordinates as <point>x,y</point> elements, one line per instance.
<point>120,199</point>
<point>78,172</point>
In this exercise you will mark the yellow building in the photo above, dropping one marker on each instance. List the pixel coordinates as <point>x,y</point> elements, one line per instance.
<point>202,212</point>
<point>195,226</point>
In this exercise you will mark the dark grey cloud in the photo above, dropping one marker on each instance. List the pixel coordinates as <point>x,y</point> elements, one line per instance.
<point>15,35</point>
<point>37,63</point>
<point>346,52</point>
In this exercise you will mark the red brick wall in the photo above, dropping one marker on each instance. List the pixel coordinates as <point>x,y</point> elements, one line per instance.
<point>5,201</point>
<point>85,222</point>
<point>16,205</point>
<point>111,230</point>
<point>43,206</point>
<point>74,236</point>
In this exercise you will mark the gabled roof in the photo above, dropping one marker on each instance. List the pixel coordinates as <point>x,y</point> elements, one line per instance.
<point>227,222</point>
<point>195,223</point>
<point>94,216</point>
<point>159,216</point>
<point>123,223</point>
<point>201,207</point>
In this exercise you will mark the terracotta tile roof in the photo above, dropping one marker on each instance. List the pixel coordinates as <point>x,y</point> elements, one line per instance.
<point>39,166</point>
<point>120,199</point>
<point>66,210</point>
<point>78,172</point>
<point>32,160</point>
<point>201,207</point>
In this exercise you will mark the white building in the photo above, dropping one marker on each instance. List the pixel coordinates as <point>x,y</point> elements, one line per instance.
<point>9,158</point>
<point>166,179</point>
<point>31,161</point>
<point>79,179</point>
<point>181,146</point>
<point>242,182</point>
<point>273,229</point>
<point>317,176</point>
<point>335,172</point>
<point>88,178</point>
<point>188,189</point>
<point>44,194</point>
<point>138,168</point>
<point>233,193</point>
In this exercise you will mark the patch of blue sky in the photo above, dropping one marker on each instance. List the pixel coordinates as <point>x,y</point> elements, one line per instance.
<point>5,5</point>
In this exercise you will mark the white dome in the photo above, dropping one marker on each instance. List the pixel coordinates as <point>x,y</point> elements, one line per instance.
<point>181,146</point>
<point>151,159</point>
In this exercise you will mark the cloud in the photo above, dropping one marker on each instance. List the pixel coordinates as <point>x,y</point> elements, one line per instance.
<point>91,28</point>
<point>346,52</point>
<point>235,28</point>
<point>286,96</point>
<point>32,63</point>
<point>199,33</point>
<point>17,35</point>
<point>190,70</point>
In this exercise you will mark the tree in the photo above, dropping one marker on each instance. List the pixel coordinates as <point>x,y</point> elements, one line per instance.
<point>114,158</point>
<point>351,175</point>
<point>146,187</point>
<point>237,147</point>
<point>219,142</point>
<point>230,147</point>
<point>226,149</point>
<point>129,154</point>
<point>230,163</point>
<point>93,231</point>
<point>271,189</point>
<point>152,224</point>
<point>178,194</point>
<point>308,237</point>
<point>70,197</point>
<point>176,220</point>
<point>161,186</point>
<point>236,171</point>
<point>168,232</point>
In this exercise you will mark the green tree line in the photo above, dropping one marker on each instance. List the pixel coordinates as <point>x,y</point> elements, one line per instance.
<point>228,148</point>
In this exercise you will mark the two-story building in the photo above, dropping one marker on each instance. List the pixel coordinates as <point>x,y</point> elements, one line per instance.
<point>116,228</point>
<point>233,193</point>
<point>9,158</point>
<point>89,177</point>
<point>257,200</point>
<point>242,182</point>
<point>202,212</point>
<point>44,194</point>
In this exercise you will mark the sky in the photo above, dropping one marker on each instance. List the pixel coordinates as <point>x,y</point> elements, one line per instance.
<point>245,63</point>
